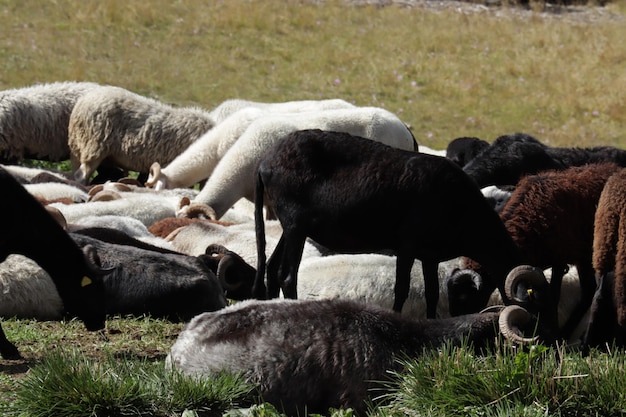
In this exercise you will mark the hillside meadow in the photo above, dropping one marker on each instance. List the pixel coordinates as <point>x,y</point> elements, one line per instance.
<point>448,69</point>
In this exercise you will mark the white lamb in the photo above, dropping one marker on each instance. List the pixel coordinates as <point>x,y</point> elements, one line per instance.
<point>233,177</point>
<point>198,161</point>
<point>34,120</point>
<point>130,131</point>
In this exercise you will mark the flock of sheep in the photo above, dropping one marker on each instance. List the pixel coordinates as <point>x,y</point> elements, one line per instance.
<point>299,181</point>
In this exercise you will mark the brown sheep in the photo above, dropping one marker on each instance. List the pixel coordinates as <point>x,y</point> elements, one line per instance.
<point>608,311</point>
<point>550,216</point>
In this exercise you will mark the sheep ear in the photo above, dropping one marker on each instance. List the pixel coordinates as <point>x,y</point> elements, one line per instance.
<point>93,260</point>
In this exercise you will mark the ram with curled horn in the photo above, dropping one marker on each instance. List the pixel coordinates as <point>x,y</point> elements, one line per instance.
<point>525,286</point>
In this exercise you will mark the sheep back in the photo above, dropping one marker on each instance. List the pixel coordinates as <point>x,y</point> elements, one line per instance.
<point>130,130</point>
<point>34,120</point>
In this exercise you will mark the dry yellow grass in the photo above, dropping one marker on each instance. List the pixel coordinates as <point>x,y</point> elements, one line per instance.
<point>444,72</point>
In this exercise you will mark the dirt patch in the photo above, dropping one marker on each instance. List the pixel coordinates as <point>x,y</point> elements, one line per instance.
<point>575,13</point>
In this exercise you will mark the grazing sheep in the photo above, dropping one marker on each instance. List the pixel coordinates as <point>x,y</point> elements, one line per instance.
<point>308,356</point>
<point>607,323</point>
<point>550,216</point>
<point>464,149</point>
<point>510,157</point>
<point>233,177</point>
<point>34,120</point>
<point>31,231</point>
<point>130,131</point>
<point>232,106</point>
<point>197,162</point>
<point>328,185</point>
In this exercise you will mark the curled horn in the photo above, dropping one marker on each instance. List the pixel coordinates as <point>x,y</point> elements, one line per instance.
<point>105,195</point>
<point>225,263</point>
<point>215,250</point>
<point>155,174</point>
<point>130,181</point>
<point>57,216</point>
<point>95,189</point>
<point>533,278</point>
<point>511,320</point>
<point>121,187</point>
<point>184,202</point>
<point>198,211</point>
<point>466,276</point>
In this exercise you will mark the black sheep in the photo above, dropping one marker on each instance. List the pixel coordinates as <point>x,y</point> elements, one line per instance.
<point>329,186</point>
<point>464,149</point>
<point>510,157</point>
<point>31,231</point>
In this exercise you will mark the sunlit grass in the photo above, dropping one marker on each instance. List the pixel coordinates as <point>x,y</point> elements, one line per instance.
<point>446,73</point>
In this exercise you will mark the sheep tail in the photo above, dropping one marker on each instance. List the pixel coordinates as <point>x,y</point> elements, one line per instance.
<point>259,289</point>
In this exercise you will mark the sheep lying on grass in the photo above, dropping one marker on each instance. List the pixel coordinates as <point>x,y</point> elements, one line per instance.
<point>308,356</point>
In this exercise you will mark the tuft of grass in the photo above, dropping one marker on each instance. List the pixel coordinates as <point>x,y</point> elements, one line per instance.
<point>539,381</point>
<point>69,384</point>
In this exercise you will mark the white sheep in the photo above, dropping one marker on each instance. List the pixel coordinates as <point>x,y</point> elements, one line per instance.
<point>145,207</point>
<point>34,120</point>
<point>198,161</point>
<point>194,238</point>
<point>26,175</point>
<point>231,106</point>
<point>128,225</point>
<point>50,191</point>
<point>233,177</point>
<point>130,131</point>
<point>369,278</point>
<point>27,291</point>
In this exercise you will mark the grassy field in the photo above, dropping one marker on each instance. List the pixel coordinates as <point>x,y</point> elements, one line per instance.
<point>447,72</point>
<point>558,76</point>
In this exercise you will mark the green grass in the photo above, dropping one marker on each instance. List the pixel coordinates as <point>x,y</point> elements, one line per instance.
<point>447,74</point>
<point>69,384</point>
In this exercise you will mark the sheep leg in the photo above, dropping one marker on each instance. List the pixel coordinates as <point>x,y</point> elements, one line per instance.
<point>403,280</point>
<point>600,310</point>
<point>288,275</point>
<point>431,287</point>
<point>7,349</point>
<point>273,268</point>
